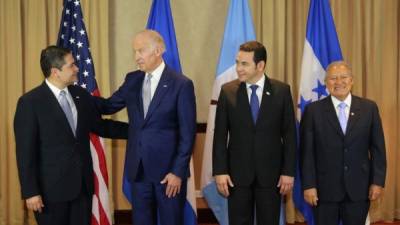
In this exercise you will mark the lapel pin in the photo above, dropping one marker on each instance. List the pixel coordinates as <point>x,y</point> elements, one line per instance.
<point>77,97</point>
<point>352,113</point>
<point>267,93</point>
<point>165,85</point>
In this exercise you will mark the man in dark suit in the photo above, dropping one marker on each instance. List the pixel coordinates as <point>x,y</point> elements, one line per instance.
<point>52,124</point>
<point>343,160</point>
<point>162,115</point>
<point>254,140</point>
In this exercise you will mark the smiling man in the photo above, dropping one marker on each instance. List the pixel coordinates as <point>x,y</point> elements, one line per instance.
<point>343,160</point>
<point>256,164</point>
<point>52,124</point>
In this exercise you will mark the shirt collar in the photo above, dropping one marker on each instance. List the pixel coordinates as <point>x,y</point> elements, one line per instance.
<point>336,101</point>
<point>260,83</point>
<point>158,71</point>
<point>56,91</point>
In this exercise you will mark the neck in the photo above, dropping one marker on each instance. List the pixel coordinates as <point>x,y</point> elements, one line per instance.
<point>155,67</point>
<point>256,78</point>
<point>56,83</point>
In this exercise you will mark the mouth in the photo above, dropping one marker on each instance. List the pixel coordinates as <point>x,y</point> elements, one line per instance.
<point>340,88</point>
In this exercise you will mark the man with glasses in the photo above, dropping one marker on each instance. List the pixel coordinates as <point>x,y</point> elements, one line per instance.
<point>343,160</point>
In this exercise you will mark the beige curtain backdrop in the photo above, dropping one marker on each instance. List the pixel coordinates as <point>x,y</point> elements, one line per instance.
<point>26,27</point>
<point>368,32</point>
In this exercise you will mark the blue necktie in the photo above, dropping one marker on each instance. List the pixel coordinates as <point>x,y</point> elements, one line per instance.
<point>254,103</point>
<point>146,94</point>
<point>66,107</point>
<point>342,116</point>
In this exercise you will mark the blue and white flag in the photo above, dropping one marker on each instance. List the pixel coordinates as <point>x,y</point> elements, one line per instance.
<point>160,20</point>
<point>321,48</point>
<point>239,28</point>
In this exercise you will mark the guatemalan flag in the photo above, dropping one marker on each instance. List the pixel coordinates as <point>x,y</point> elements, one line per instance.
<point>160,20</point>
<point>72,35</point>
<point>239,28</point>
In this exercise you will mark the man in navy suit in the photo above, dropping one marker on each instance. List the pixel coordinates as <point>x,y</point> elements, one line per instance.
<point>343,160</point>
<point>162,114</point>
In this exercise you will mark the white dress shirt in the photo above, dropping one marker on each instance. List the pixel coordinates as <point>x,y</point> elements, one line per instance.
<point>156,78</point>
<point>56,91</point>
<point>336,103</point>
<point>260,84</point>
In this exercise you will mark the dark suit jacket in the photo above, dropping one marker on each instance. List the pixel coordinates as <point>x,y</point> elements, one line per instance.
<point>52,162</point>
<point>163,141</point>
<point>335,163</point>
<point>263,151</point>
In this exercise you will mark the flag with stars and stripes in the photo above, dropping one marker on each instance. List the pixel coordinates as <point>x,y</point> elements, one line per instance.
<point>72,35</point>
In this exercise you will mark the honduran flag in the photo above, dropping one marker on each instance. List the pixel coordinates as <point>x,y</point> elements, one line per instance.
<point>321,48</point>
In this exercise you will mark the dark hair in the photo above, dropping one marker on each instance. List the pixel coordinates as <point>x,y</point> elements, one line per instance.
<point>52,57</point>
<point>260,53</point>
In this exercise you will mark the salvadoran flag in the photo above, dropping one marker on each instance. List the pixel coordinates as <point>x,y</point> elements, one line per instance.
<point>160,20</point>
<point>239,28</point>
<point>321,48</point>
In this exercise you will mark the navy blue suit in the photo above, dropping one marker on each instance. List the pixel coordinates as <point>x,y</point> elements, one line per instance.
<point>159,144</point>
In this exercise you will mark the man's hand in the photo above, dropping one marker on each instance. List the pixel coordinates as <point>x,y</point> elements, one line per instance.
<point>311,196</point>
<point>285,184</point>
<point>375,191</point>
<point>173,185</point>
<point>35,203</point>
<point>222,184</point>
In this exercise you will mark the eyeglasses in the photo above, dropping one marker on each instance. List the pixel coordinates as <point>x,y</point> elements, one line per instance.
<point>334,78</point>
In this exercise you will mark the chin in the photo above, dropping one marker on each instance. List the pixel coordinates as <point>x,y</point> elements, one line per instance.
<point>242,79</point>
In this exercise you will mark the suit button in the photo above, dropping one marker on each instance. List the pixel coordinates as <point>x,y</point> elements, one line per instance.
<point>346,168</point>
<point>346,150</point>
<point>140,144</point>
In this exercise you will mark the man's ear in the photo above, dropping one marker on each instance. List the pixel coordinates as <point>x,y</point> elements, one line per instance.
<point>158,51</point>
<point>54,71</point>
<point>261,66</point>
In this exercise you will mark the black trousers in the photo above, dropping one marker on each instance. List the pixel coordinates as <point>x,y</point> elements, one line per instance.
<point>347,211</point>
<point>243,200</point>
<point>75,212</point>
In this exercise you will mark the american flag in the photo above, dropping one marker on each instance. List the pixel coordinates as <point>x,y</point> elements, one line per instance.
<point>72,35</point>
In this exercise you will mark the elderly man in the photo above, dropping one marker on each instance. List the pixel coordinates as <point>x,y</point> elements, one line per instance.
<point>162,115</point>
<point>343,160</point>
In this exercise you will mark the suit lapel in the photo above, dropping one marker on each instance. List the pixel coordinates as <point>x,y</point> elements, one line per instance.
<point>266,100</point>
<point>244,104</point>
<point>139,94</point>
<point>161,90</point>
<point>331,115</point>
<point>54,106</point>
<point>354,114</point>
